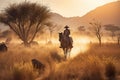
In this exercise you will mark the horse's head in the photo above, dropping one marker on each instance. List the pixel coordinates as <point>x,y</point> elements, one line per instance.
<point>60,34</point>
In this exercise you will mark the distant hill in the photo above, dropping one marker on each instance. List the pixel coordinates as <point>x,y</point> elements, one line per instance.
<point>62,21</point>
<point>107,14</point>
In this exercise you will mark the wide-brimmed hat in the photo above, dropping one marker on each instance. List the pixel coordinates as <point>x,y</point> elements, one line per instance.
<point>66,26</point>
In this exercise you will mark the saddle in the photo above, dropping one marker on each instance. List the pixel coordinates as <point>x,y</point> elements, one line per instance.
<point>64,39</point>
<point>70,40</point>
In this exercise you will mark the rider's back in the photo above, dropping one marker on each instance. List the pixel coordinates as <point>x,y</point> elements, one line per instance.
<point>66,32</point>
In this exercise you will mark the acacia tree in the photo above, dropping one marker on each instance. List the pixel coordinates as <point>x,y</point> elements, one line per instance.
<point>97,28</point>
<point>25,19</point>
<point>81,28</point>
<point>118,38</point>
<point>51,28</point>
<point>112,28</point>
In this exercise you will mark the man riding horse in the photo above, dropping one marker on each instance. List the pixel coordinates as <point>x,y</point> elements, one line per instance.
<point>66,42</point>
<point>67,37</point>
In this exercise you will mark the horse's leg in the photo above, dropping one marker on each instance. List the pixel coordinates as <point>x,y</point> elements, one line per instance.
<point>68,52</point>
<point>64,52</point>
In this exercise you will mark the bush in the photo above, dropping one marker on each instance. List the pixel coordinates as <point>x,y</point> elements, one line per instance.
<point>110,71</point>
<point>56,57</point>
<point>24,72</point>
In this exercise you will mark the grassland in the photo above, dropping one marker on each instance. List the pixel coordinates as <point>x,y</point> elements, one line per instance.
<point>93,64</point>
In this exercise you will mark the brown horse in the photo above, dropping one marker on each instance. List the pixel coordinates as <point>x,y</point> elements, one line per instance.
<point>65,44</point>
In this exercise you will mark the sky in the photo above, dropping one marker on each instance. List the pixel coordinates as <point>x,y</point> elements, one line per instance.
<point>66,8</point>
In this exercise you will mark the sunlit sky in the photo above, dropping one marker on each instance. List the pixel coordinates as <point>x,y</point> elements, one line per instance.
<point>67,8</point>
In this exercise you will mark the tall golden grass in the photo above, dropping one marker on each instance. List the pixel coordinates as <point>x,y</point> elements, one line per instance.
<point>90,65</point>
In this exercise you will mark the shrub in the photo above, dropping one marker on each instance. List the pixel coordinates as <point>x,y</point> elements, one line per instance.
<point>110,71</point>
<point>24,72</point>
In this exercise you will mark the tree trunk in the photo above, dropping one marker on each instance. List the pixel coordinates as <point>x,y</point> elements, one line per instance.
<point>26,44</point>
<point>50,36</point>
<point>118,41</point>
<point>100,42</point>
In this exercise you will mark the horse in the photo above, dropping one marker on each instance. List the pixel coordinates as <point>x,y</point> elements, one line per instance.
<point>65,44</point>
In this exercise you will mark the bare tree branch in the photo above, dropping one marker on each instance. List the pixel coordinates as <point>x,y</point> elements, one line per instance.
<point>97,27</point>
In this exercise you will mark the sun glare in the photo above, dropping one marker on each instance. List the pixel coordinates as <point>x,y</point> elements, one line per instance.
<point>80,45</point>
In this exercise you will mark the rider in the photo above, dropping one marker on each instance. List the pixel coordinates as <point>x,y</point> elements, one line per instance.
<point>67,33</point>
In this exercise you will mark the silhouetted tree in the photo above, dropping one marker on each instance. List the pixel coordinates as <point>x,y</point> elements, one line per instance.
<point>97,28</point>
<point>51,27</point>
<point>81,28</point>
<point>118,37</point>
<point>8,40</point>
<point>5,34</point>
<point>110,71</point>
<point>25,18</point>
<point>112,28</point>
